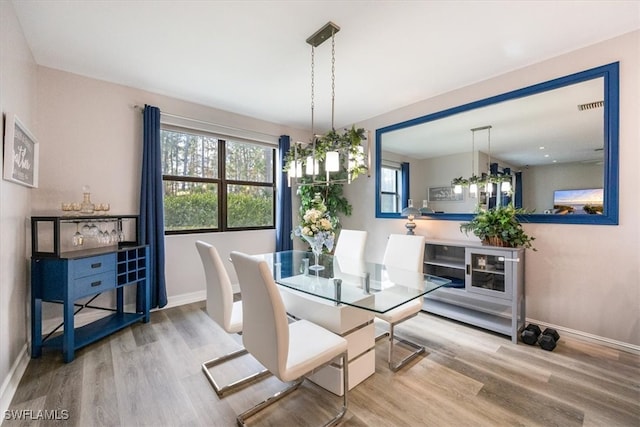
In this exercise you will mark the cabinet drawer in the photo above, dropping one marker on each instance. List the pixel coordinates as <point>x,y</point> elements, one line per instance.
<point>93,265</point>
<point>94,284</point>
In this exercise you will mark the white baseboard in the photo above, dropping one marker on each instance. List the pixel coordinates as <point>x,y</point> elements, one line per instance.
<point>584,336</point>
<point>10,384</point>
<point>183,299</point>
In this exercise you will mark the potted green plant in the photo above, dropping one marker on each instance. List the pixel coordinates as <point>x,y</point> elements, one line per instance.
<point>499,226</point>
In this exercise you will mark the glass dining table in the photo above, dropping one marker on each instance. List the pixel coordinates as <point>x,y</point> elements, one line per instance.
<point>366,285</point>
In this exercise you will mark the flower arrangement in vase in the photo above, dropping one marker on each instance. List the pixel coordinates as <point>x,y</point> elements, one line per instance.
<point>317,229</point>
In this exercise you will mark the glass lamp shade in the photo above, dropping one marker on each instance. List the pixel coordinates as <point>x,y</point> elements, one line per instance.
<point>313,167</point>
<point>295,169</point>
<point>457,189</point>
<point>332,161</point>
<point>292,170</point>
<point>473,189</point>
<point>411,212</point>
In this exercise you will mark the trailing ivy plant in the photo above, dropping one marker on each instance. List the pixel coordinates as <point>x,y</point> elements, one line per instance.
<point>481,180</point>
<point>346,142</point>
<point>332,195</point>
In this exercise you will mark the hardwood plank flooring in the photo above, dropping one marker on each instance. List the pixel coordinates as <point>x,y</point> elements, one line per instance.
<point>150,375</point>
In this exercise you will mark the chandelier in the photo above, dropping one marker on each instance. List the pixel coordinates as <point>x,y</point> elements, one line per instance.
<point>332,158</point>
<point>485,181</point>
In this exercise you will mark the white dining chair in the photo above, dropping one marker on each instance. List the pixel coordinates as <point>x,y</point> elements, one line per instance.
<point>403,252</point>
<point>225,312</point>
<point>288,350</point>
<point>351,244</point>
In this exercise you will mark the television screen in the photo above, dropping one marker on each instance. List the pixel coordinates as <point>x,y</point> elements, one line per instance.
<point>584,201</point>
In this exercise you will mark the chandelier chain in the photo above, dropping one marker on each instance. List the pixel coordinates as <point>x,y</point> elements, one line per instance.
<point>473,144</point>
<point>312,90</point>
<point>331,149</point>
<point>489,146</point>
<point>333,77</point>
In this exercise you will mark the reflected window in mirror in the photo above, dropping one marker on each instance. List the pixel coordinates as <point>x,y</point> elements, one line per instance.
<point>394,186</point>
<point>390,188</point>
<point>554,136</point>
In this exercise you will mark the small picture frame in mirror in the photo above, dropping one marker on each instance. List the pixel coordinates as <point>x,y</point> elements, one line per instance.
<point>444,193</point>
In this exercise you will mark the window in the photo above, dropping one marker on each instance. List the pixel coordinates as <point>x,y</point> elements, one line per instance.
<point>215,184</point>
<point>390,188</point>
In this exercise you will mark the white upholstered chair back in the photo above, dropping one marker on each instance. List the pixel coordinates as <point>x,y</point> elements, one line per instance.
<point>351,244</point>
<point>265,327</point>
<point>405,251</point>
<point>219,289</point>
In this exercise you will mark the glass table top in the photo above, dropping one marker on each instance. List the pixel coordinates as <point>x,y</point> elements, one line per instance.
<point>366,285</point>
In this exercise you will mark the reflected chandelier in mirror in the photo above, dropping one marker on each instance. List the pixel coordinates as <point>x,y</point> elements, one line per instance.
<point>547,138</point>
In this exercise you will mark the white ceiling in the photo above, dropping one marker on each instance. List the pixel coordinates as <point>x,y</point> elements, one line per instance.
<point>250,57</point>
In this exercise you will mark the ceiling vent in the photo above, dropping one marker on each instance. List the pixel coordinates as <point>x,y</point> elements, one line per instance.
<point>590,105</point>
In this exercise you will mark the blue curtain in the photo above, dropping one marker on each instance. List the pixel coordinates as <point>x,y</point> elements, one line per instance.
<point>151,210</point>
<point>404,189</point>
<point>518,190</point>
<point>283,200</point>
<point>493,170</point>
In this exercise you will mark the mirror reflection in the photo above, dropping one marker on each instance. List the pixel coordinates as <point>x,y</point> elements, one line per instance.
<point>547,150</point>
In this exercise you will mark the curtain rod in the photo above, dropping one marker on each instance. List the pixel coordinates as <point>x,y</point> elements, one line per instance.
<point>176,116</point>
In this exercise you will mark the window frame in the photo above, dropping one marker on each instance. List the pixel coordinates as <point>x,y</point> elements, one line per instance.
<point>398,190</point>
<point>221,181</point>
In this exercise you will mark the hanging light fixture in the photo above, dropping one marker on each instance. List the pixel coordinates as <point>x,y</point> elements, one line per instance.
<point>485,179</point>
<point>331,151</point>
<point>473,183</point>
<point>457,188</point>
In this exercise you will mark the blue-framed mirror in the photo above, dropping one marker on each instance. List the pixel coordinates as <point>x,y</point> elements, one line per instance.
<point>555,142</point>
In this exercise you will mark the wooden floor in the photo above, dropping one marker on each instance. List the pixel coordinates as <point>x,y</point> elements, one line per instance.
<point>150,374</point>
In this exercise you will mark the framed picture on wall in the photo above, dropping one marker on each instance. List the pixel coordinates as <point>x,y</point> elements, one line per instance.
<point>20,153</point>
<point>443,194</point>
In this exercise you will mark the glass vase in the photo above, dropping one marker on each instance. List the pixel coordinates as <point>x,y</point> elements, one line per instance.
<point>316,254</point>
<point>316,244</point>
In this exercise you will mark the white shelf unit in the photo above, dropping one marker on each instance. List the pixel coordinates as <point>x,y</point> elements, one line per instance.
<point>487,288</point>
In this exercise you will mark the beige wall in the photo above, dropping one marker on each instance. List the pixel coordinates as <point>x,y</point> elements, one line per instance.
<point>18,96</point>
<point>541,181</point>
<point>94,137</point>
<point>583,278</point>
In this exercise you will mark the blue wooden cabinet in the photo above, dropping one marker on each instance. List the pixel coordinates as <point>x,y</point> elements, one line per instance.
<point>75,279</point>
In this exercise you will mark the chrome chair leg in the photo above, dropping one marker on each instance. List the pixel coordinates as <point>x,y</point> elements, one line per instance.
<point>236,385</point>
<point>418,349</point>
<point>392,339</point>
<point>242,418</point>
